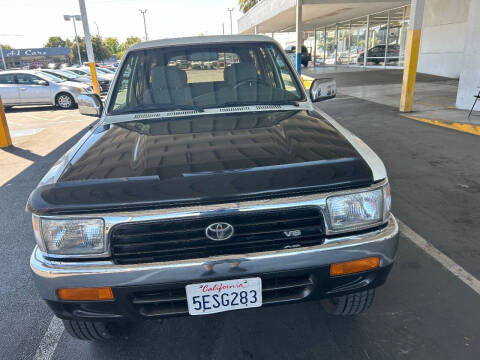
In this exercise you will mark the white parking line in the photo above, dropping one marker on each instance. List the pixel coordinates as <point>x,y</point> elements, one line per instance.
<point>50,340</point>
<point>443,259</point>
<point>52,336</point>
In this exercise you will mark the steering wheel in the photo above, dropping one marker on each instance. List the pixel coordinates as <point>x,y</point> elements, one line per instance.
<point>249,82</point>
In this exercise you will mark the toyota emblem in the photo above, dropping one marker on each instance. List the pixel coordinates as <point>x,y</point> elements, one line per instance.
<point>219,231</point>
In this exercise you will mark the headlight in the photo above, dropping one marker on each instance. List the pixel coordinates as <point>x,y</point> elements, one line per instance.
<point>69,236</point>
<point>359,210</point>
<point>88,90</point>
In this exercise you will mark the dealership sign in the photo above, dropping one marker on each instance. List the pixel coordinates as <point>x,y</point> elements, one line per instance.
<point>60,51</point>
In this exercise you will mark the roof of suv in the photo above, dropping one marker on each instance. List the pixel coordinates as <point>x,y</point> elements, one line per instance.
<point>195,40</point>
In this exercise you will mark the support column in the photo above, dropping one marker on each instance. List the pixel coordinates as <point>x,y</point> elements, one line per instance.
<point>314,45</point>
<point>470,74</point>
<point>367,39</point>
<point>299,37</point>
<point>411,55</point>
<point>256,29</point>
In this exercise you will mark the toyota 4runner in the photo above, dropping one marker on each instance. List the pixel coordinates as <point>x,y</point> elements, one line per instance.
<point>204,189</point>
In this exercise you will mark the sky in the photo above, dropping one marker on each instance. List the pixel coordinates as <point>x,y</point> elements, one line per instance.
<point>36,20</point>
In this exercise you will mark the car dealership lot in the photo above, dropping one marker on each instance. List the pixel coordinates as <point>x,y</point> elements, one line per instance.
<point>423,311</point>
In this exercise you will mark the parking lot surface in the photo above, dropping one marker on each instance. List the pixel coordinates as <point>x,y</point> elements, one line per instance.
<point>423,311</point>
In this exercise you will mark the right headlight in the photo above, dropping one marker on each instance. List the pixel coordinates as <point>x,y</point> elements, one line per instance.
<point>69,236</point>
<point>359,210</point>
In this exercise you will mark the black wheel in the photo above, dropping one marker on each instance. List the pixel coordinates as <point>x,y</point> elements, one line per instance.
<point>90,330</point>
<point>65,101</point>
<point>7,107</point>
<point>351,304</point>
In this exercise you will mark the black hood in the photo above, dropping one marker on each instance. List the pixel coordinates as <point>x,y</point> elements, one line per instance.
<point>204,159</point>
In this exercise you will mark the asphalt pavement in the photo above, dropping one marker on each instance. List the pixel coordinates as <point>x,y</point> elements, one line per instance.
<point>422,312</point>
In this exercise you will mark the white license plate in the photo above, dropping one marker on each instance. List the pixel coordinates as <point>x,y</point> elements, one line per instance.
<point>224,295</point>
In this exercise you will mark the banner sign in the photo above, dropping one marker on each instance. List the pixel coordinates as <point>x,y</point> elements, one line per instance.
<point>60,51</point>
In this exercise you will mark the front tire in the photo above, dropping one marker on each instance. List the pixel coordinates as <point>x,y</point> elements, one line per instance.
<point>65,101</point>
<point>90,330</point>
<point>351,304</point>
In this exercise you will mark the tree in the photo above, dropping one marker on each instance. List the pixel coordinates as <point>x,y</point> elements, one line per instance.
<point>112,44</point>
<point>100,50</point>
<point>246,5</point>
<point>55,41</point>
<point>130,41</point>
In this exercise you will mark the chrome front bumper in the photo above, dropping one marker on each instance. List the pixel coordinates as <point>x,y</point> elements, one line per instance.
<point>52,275</point>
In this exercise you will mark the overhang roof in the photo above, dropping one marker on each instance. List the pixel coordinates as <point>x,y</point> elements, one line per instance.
<point>279,15</point>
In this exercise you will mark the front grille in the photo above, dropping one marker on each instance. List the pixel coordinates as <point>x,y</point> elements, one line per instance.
<point>179,239</point>
<point>173,301</point>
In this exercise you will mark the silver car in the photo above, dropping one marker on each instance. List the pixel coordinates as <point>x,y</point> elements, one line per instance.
<point>33,87</point>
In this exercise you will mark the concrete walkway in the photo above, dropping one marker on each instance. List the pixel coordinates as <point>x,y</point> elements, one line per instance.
<point>434,100</point>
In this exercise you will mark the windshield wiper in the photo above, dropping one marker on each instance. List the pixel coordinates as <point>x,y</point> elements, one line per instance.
<point>259,103</point>
<point>156,107</point>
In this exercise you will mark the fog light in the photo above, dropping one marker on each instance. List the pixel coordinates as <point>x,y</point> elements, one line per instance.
<point>85,294</point>
<point>350,267</point>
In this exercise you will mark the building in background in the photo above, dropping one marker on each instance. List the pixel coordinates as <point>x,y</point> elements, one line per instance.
<point>36,58</point>
<point>341,32</point>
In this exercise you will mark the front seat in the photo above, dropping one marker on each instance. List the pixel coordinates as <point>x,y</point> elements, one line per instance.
<point>168,86</point>
<point>238,73</point>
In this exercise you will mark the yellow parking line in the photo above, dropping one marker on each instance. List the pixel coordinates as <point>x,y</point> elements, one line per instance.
<point>467,128</point>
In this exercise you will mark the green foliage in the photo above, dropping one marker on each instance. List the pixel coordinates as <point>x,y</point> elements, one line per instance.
<point>100,50</point>
<point>6,47</point>
<point>55,41</point>
<point>246,5</point>
<point>130,41</point>
<point>112,44</point>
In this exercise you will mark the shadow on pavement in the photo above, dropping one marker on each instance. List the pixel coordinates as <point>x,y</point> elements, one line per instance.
<point>26,154</point>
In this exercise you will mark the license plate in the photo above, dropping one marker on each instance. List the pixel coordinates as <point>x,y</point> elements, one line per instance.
<point>218,296</point>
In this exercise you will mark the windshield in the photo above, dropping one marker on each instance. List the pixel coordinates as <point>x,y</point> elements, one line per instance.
<point>69,73</point>
<point>80,72</point>
<point>200,77</point>
<point>51,77</point>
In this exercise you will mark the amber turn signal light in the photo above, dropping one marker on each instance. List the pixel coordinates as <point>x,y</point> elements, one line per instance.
<point>85,294</point>
<point>350,267</point>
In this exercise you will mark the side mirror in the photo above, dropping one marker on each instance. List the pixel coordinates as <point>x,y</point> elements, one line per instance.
<point>43,82</point>
<point>90,105</point>
<point>323,89</point>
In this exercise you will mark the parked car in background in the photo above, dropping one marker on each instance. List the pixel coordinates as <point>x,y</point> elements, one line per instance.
<point>103,81</point>
<point>194,195</point>
<point>34,87</point>
<point>69,76</point>
<point>376,54</point>
<point>306,56</point>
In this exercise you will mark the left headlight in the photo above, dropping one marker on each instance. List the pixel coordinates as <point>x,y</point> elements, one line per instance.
<point>88,90</point>
<point>359,210</point>
<point>70,236</point>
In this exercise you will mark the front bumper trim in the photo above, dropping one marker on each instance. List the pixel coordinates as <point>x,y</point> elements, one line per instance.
<point>51,275</point>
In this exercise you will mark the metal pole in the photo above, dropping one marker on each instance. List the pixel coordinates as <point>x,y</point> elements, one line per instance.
<point>88,44</point>
<point>411,55</point>
<point>98,31</point>
<point>336,43</point>
<point>299,37</point>
<point>314,45</point>
<point>231,26</point>
<point>223,29</point>
<point>3,58</point>
<point>386,39</point>
<point>76,40</point>
<point>349,41</point>
<point>144,23</point>
<point>367,37</point>
<point>324,45</point>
